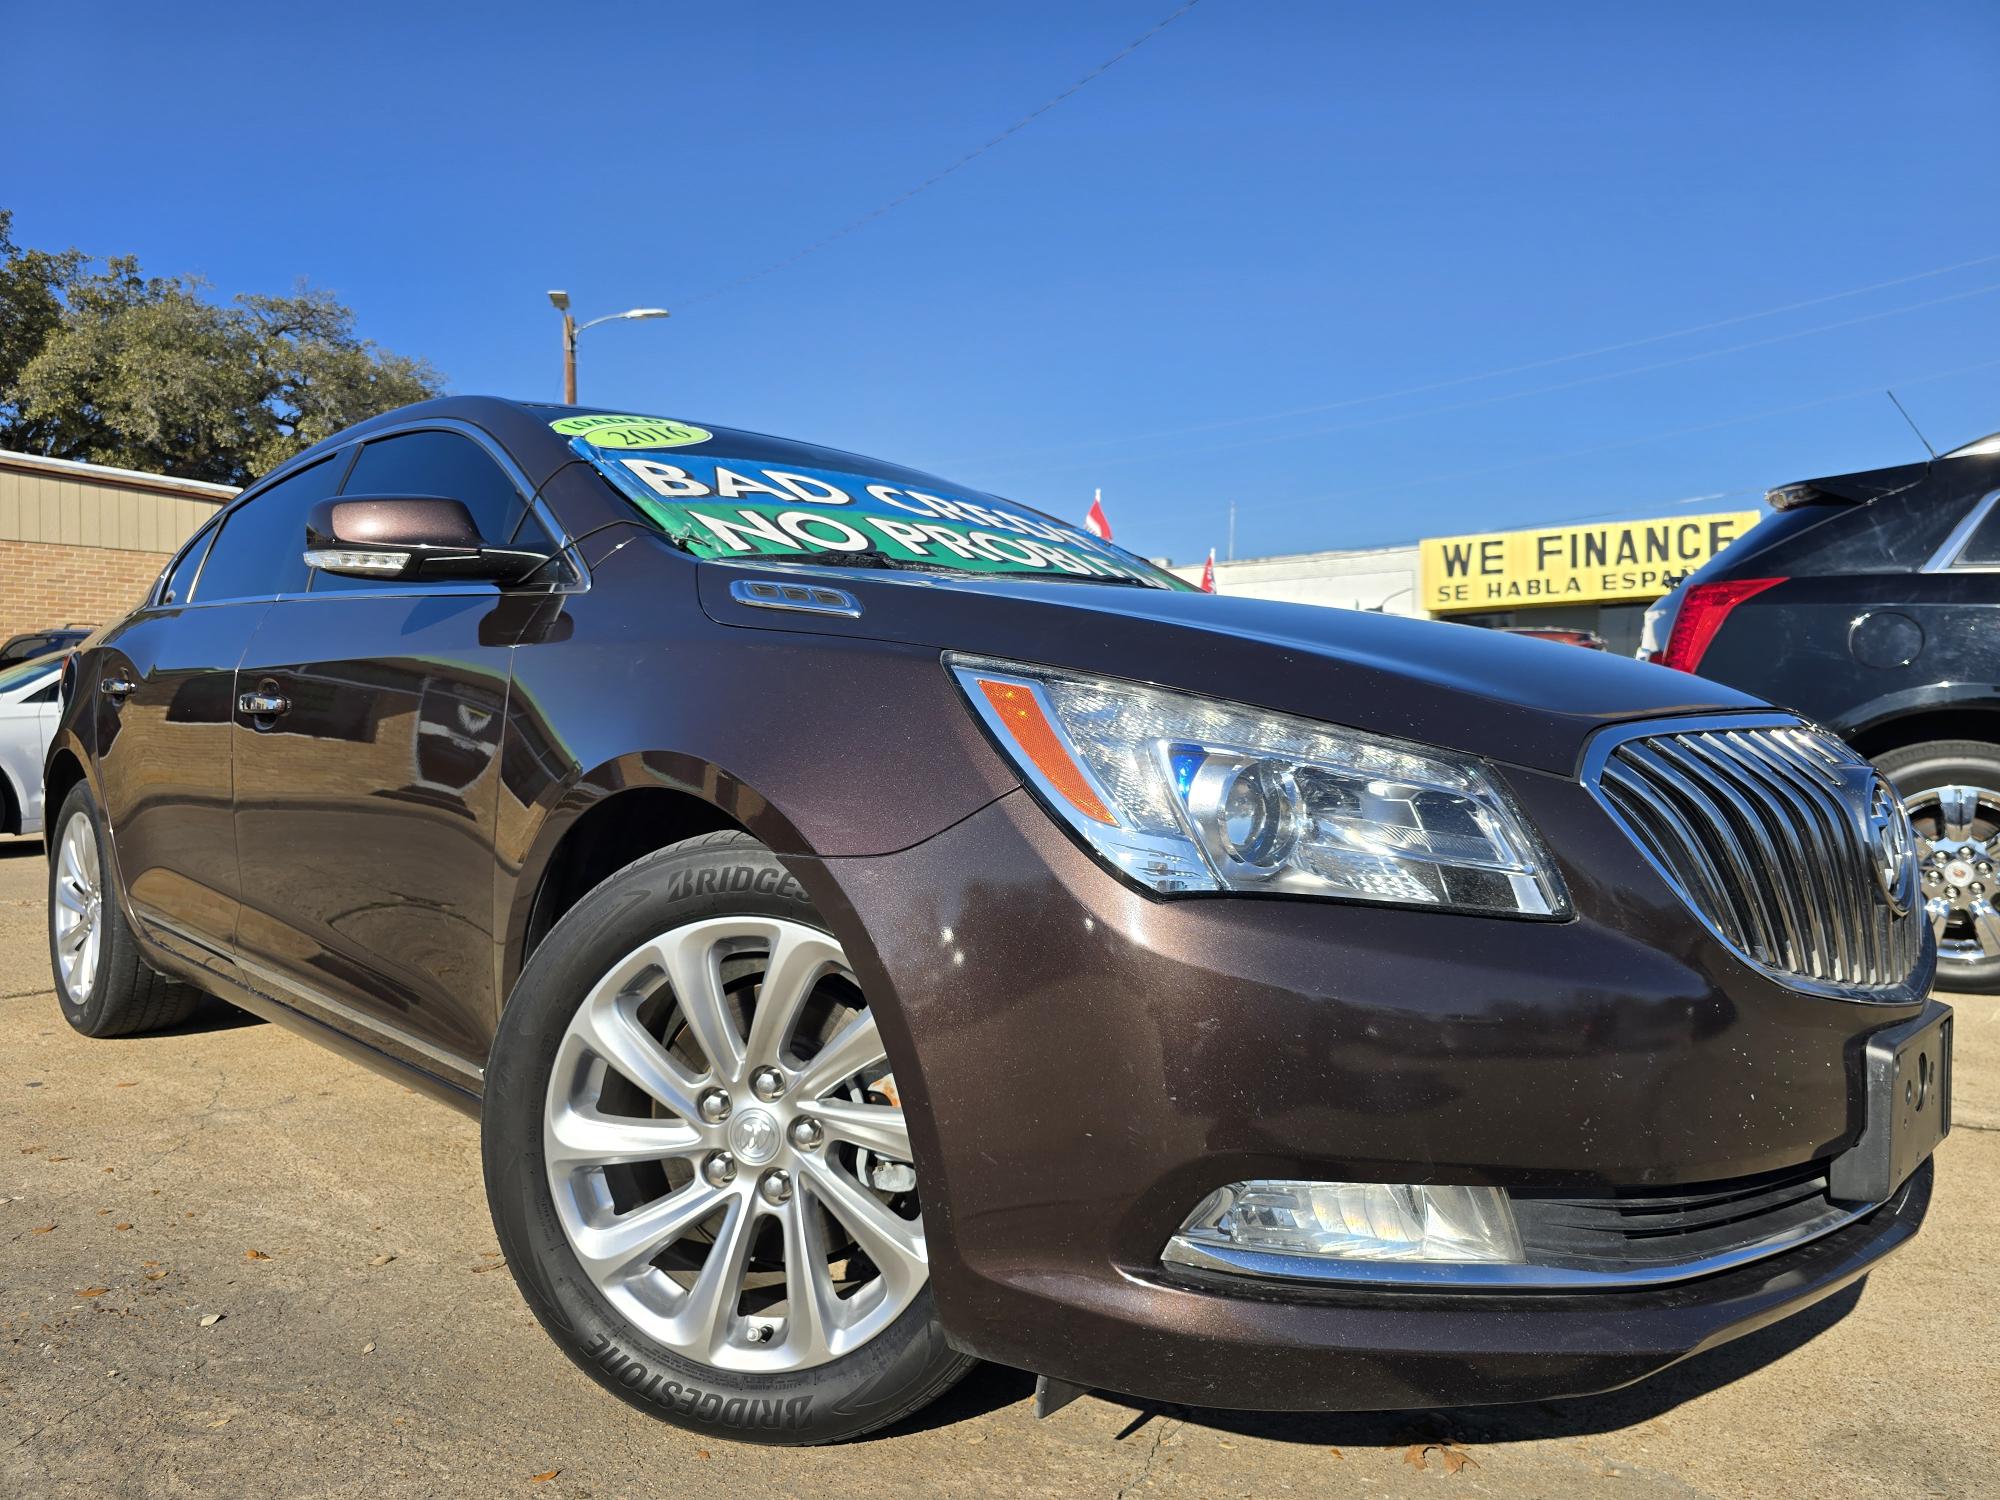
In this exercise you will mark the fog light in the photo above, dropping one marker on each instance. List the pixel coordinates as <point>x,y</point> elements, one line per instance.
<point>1353,1221</point>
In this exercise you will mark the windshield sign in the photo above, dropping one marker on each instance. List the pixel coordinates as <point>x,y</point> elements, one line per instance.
<point>725,508</point>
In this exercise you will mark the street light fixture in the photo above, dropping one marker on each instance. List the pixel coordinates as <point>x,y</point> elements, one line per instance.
<point>571,328</point>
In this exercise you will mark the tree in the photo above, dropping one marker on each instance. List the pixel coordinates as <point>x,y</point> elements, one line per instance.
<point>115,367</point>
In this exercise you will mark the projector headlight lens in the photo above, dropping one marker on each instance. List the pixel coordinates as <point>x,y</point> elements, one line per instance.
<point>1184,794</point>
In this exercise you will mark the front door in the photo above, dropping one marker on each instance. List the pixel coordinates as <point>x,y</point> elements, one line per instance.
<point>367,778</point>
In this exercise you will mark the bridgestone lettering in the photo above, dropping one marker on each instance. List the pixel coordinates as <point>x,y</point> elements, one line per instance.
<point>775,1412</point>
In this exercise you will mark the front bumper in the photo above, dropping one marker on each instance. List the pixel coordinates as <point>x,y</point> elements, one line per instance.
<point>1083,1063</point>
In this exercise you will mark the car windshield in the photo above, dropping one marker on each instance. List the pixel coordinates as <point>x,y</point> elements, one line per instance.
<point>22,673</point>
<point>724,506</point>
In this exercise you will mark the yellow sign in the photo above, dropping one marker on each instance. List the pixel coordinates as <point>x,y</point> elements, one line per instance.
<point>607,431</point>
<point>1572,564</point>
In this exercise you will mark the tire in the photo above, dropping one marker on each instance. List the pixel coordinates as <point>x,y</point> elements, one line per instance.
<point>1925,775</point>
<point>108,989</point>
<point>578,1155</point>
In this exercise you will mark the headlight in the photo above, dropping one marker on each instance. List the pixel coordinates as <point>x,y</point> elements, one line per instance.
<point>1182,793</point>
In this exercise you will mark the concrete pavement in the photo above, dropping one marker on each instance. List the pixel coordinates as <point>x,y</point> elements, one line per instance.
<point>370,1343</point>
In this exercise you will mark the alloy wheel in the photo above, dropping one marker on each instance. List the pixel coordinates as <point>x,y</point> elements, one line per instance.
<point>77,912</point>
<point>727,1151</point>
<point>1958,846</point>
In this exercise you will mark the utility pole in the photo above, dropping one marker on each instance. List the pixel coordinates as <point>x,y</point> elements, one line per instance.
<point>569,347</point>
<point>571,328</point>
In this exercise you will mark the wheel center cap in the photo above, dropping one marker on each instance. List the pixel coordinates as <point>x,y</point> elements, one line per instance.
<point>754,1136</point>
<point>1958,872</point>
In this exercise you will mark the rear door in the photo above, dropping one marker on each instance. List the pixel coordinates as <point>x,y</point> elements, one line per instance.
<point>163,704</point>
<point>365,805</point>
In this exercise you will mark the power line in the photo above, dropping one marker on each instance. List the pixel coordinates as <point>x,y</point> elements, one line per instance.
<point>936,177</point>
<point>1874,389</point>
<point>1501,373</point>
<point>1096,465</point>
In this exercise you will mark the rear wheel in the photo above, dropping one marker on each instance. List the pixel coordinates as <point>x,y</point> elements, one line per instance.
<point>698,1162</point>
<point>104,986</point>
<point>1952,790</point>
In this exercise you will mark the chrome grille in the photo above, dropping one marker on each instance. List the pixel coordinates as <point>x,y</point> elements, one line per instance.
<point>1764,828</point>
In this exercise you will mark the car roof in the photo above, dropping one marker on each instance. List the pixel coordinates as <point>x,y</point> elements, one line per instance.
<point>524,429</point>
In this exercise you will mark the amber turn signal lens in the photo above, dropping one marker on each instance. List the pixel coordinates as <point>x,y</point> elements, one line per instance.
<point>1017,709</point>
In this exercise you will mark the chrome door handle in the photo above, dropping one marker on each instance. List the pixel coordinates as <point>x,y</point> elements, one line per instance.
<point>118,687</point>
<point>263,705</point>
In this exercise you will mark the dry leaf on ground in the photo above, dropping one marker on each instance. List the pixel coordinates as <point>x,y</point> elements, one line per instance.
<point>209,1320</point>
<point>544,1478</point>
<point>382,1259</point>
<point>255,1255</point>
<point>92,1291</point>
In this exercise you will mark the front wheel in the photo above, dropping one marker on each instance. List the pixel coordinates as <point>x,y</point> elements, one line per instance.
<point>1952,791</point>
<point>698,1163</point>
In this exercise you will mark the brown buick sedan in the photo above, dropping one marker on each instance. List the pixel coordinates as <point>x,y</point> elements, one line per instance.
<point>881,927</point>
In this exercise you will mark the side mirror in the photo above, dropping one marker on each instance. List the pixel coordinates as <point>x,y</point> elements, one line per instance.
<point>409,537</point>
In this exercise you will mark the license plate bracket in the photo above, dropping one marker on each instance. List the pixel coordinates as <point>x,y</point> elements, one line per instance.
<point>1906,1080</point>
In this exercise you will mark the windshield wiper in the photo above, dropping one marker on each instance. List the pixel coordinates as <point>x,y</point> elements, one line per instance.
<point>1059,575</point>
<point>846,560</point>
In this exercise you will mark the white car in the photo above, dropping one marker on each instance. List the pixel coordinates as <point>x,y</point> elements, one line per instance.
<point>28,710</point>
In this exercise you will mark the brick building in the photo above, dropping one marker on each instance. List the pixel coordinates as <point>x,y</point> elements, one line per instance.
<point>79,543</point>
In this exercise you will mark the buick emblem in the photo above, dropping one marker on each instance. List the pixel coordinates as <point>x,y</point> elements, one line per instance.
<point>1892,848</point>
<point>753,1136</point>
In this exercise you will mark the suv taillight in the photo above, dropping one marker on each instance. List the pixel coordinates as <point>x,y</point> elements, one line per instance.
<point>1703,609</point>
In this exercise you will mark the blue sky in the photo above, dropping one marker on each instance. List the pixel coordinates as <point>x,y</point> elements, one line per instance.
<point>1269,208</point>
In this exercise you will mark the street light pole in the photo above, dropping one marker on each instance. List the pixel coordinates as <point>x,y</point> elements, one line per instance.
<point>571,328</point>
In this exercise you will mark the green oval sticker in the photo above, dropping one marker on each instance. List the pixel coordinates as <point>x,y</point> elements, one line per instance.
<point>606,431</point>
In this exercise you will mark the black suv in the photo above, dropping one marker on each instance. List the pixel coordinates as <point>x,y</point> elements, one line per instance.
<point>1870,602</point>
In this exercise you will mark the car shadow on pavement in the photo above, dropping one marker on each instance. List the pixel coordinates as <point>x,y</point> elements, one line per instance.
<point>212,1015</point>
<point>990,1388</point>
<point>1576,1416</point>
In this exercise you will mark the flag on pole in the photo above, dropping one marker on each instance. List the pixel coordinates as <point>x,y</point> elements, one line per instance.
<point>1096,523</point>
<point>1208,573</point>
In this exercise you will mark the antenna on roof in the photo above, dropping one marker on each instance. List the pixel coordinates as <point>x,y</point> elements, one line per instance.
<point>1913,425</point>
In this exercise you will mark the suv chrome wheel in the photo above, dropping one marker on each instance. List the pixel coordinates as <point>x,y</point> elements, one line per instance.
<point>726,1150</point>
<point>1958,846</point>
<point>77,912</point>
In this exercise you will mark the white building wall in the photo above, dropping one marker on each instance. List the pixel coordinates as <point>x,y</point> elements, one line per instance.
<point>1379,578</point>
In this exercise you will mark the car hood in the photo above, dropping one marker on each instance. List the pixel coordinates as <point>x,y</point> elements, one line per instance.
<point>1529,702</point>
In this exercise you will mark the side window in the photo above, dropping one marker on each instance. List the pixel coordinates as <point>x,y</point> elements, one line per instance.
<point>432,463</point>
<point>260,550</point>
<point>180,573</point>
<point>46,693</point>
<point>1982,548</point>
<point>441,463</point>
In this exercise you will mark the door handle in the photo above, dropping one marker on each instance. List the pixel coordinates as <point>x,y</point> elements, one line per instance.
<point>263,705</point>
<point>120,688</point>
